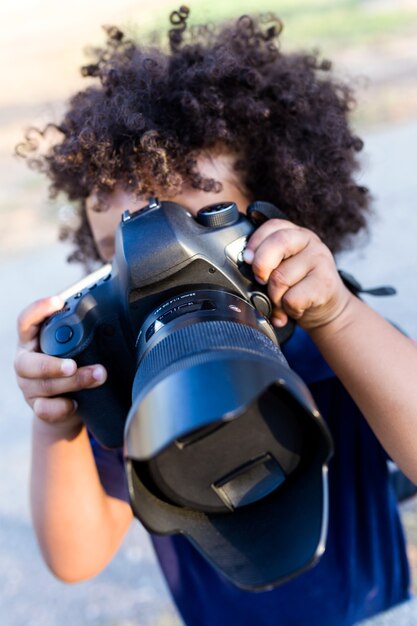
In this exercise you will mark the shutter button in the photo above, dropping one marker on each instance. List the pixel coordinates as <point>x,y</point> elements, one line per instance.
<point>63,334</point>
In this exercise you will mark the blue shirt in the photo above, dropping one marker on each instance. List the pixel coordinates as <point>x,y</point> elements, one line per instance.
<point>364,569</point>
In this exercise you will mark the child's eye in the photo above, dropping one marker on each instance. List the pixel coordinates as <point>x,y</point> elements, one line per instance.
<point>97,207</point>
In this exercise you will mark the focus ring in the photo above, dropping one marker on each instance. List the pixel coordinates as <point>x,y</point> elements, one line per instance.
<point>201,342</point>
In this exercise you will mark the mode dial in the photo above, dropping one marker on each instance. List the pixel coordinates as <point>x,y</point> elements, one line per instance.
<point>218,215</point>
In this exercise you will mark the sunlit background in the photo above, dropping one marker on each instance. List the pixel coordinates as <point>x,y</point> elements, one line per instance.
<point>372,43</point>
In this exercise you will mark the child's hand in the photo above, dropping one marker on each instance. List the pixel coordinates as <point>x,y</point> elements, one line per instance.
<point>300,272</point>
<point>44,379</point>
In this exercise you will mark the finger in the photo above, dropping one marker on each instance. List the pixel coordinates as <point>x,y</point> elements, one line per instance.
<point>54,409</point>
<point>312,305</point>
<point>37,365</point>
<point>279,318</point>
<point>277,247</point>
<point>30,319</point>
<point>263,231</point>
<point>316,297</point>
<point>86,377</point>
<point>288,273</point>
<point>304,296</point>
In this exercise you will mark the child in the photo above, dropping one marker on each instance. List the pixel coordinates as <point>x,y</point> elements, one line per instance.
<point>226,116</point>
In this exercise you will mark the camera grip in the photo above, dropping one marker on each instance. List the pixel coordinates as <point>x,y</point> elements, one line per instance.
<point>104,409</point>
<point>88,340</point>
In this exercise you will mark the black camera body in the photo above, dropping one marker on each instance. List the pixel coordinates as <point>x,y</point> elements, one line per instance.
<point>165,261</point>
<point>222,440</point>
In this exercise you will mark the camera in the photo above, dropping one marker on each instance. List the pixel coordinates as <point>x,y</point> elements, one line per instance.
<point>221,438</point>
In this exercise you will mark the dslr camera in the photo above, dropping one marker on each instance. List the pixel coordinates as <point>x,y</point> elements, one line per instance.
<point>222,440</point>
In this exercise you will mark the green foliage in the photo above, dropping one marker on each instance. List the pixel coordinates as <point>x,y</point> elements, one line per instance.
<point>312,23</point>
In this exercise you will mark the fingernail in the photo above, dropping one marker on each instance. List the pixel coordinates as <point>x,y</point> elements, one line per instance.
<point>68,367</point>
<point>261,281</point>
<point>99,373</point>
<point>37,405</point>
<point>75,406</point>
<point>276,321</point>
<point>57,302</point>
<point>248,256</point>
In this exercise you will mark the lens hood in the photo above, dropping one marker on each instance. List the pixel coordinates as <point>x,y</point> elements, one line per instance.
<point>227,447</point>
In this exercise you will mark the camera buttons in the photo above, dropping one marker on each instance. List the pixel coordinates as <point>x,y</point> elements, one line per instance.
<point>63,334</point>
<point>262,303</point>
<point>234,250</point>
<point>218,215</point>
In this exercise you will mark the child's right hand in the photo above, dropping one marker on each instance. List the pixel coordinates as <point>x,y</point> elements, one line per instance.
<point>45,379</point>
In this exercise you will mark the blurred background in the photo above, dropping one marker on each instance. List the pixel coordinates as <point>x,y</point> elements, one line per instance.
<point>373,45</point>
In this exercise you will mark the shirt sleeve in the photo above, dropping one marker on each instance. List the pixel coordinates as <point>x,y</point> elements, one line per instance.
<point>110,466</point>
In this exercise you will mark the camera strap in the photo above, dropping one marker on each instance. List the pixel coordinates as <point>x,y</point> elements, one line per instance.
<point>260,211</point>
<point>356,288</point>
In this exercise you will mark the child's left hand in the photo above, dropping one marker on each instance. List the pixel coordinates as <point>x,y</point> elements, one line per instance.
<point>300,272</point>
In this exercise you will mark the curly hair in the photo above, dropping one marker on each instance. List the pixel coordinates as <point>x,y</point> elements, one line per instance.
<point>227,86</point>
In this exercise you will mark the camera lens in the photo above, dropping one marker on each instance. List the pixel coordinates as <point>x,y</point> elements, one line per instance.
<point>209,375</point>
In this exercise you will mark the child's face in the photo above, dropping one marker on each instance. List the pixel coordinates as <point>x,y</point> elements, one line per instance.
<point>220,167</point>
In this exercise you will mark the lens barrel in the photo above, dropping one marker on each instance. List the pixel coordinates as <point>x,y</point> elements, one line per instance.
<point>223,439</point>
<point>204,360</point>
